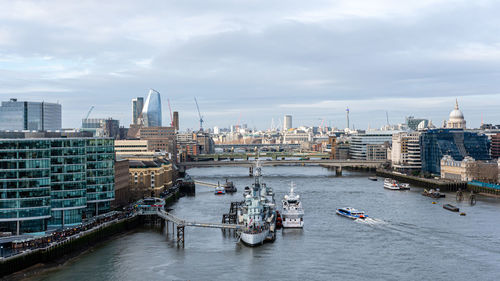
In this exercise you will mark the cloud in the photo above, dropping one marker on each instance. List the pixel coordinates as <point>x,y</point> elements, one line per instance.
<point>260,58</point>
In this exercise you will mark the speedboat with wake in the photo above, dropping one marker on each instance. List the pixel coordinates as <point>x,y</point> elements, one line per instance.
<point>220,190</point>
<point>351,213</point>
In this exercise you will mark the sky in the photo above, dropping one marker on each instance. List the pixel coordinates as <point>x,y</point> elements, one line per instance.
<point>251,62</point>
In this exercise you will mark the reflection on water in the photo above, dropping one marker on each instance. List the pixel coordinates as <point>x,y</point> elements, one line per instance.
<point>405,237</point>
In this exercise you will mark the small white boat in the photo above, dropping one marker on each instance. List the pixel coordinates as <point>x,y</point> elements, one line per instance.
<point>395,185</point>
<point>404,186</point>
<point>351,213</point>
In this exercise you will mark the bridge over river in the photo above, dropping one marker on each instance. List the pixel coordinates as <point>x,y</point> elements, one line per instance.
<point>338,165</point>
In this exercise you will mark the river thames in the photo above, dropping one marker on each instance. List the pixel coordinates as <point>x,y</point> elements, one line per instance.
<point>407,237</point>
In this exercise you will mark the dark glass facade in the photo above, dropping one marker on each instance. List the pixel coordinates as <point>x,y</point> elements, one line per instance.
<point>100,175</point>
<point>25,200</point>
<point>68,181</point>
<point>54,181</point>
<point>454,142</point>
<point>25,115</point>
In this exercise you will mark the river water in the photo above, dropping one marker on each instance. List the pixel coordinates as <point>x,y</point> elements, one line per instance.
<point>407,237</point>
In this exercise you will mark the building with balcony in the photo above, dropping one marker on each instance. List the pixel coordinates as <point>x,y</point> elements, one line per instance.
<point>53,180</point>
<point>405,152</point>
<point>495,146</point>
<point>358,146</point>
<point>25,185</point>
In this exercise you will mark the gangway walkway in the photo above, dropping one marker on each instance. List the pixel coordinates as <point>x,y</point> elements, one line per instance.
<point>205,183</point>
<point>170,217</point>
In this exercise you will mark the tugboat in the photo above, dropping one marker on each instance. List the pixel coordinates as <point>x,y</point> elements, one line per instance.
<point>293,214</point>
<point>450,207</point>
<point>229,187</point>
<point>351,213</point>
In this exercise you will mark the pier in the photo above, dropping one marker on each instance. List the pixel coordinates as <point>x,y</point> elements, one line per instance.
<point>423,182</point>
<point>179,224</point>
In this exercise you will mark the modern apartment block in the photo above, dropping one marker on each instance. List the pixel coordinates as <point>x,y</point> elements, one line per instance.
<point>405,152</point>
<point>53,182</point>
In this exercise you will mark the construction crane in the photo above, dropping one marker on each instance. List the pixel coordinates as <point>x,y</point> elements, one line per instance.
<point>171,118</point>
<point>88,113</point>
<point>199,114</point>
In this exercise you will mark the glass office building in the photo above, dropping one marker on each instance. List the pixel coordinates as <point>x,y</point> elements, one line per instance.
<point>25,115</point>
<point>100,175</point>
<point>25,199</point>
<point>457,143</point>
<point>151,112</point>
<point>359,143</point>
<point>54,182</point>
<point>68,181</point>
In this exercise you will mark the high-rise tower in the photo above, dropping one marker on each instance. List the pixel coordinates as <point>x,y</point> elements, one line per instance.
<point>137,105</point>
<point>151,112</point>
<point>287,122</point>
<point>176,120</point>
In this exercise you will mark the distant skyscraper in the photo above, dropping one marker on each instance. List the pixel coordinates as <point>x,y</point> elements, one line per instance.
<point>287,122</point>
<point>137,105</point>
<point>347,117</point>
<point>176,120</point>
<point>26,115</point>
<point>151,112</point>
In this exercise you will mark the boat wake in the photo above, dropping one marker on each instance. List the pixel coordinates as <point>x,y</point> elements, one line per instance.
<point>371,221</point>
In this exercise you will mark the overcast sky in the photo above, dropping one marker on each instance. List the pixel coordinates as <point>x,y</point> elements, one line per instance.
<point>256,60</point>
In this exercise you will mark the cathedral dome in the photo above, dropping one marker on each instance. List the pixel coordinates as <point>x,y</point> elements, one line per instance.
<point>456,120</point>
<point>456,114</point>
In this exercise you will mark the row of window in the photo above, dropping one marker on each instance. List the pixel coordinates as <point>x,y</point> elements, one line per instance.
<point>24,213</point>
<point>24,194</point>
<point>27,203</point>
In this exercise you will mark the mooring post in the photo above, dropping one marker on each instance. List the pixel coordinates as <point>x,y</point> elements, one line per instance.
<point>338,171</point>
<point>180,235</point>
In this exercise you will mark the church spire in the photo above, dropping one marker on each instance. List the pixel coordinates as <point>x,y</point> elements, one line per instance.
<point>456,103</point>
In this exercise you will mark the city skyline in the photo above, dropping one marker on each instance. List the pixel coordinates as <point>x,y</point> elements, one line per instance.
<point>401,58</point>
